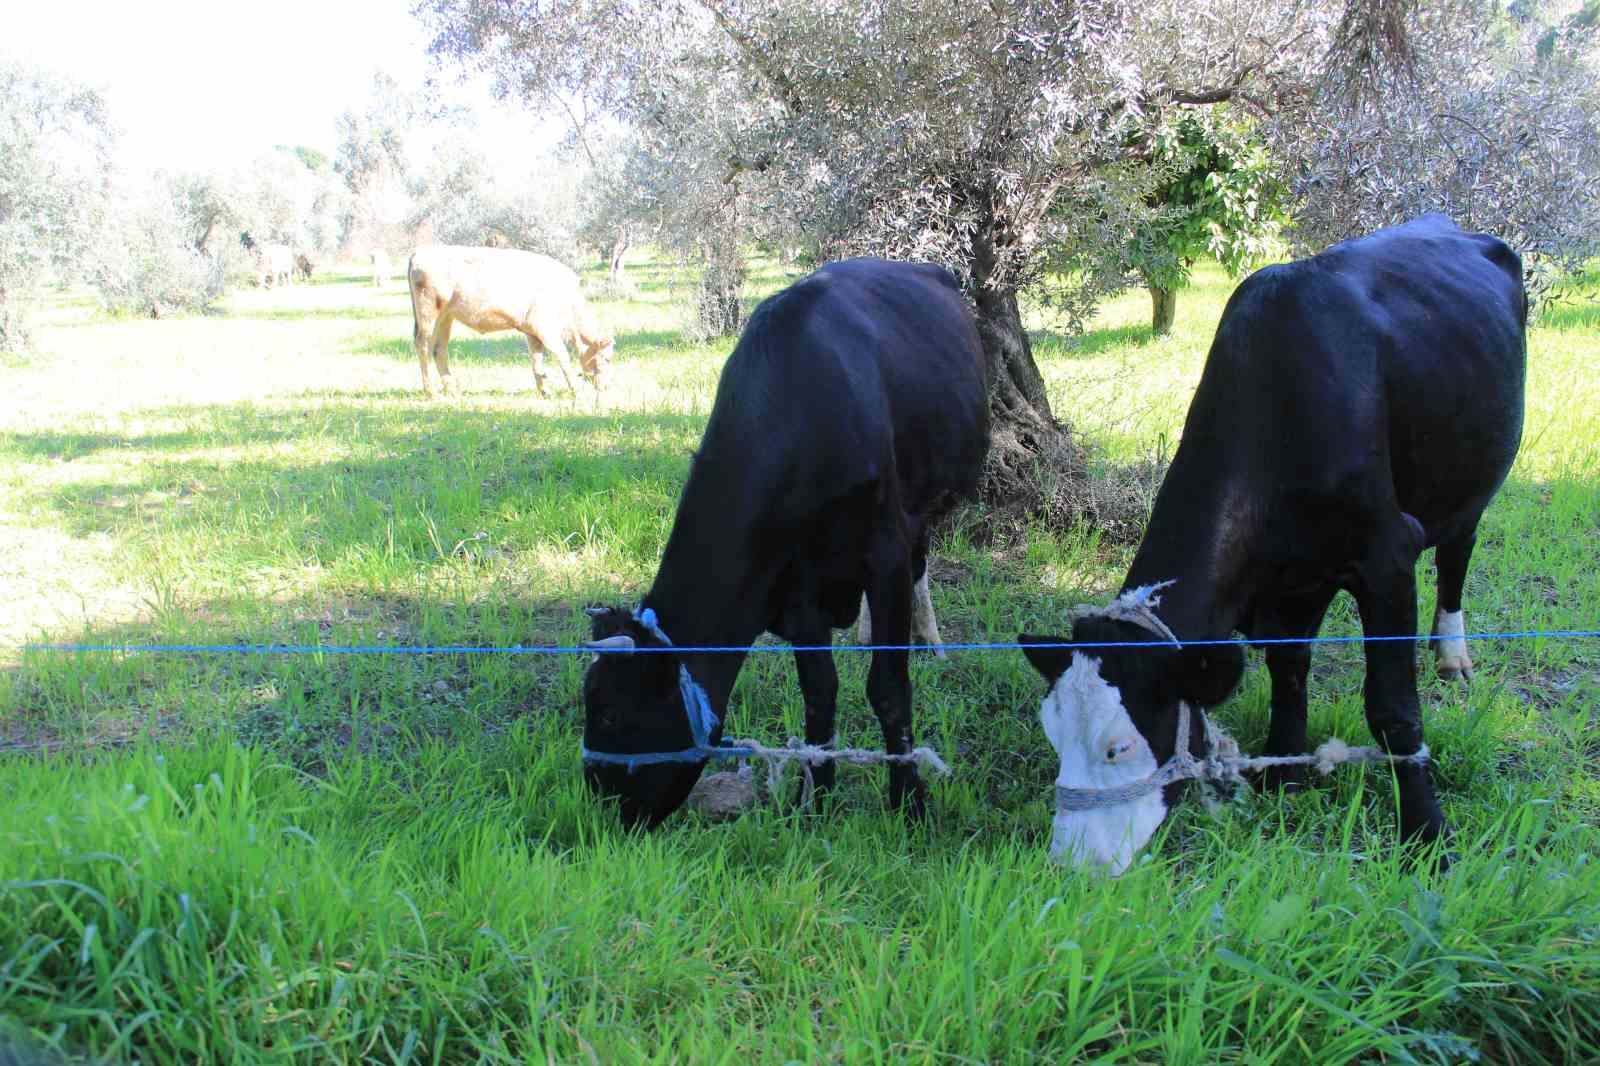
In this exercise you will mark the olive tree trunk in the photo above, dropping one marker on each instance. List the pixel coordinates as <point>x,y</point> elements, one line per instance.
<point>1034,464</point>
<point>619,247</point>
<point>1163,309</point>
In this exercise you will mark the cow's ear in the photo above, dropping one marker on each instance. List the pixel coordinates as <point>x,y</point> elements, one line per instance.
<point>608,621</point>
<point>1208,673</point>
<point>1051,662</point>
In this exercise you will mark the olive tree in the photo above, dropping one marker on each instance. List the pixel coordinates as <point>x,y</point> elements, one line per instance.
<point>928,129</point>
<point>372,160</point>
<point>463,200</point>
<point>1218,195</point>
<point>146,260</point>
<point>55,144</point>
<point>1495,121</point>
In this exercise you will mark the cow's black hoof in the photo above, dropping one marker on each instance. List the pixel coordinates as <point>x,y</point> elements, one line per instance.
<point>813,799</point>
<point>912,802</point>
<point>1290,779</point>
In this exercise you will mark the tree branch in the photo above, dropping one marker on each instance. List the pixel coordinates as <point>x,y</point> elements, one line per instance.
<point>753,52</point>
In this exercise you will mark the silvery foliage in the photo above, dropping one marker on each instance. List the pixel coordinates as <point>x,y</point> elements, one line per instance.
<point>680,172</point>
<point>373,161</point>
<point>1497,125</point>
<point>145,260</point>
<point>465,201</point>
<point>992,137</point>
<point>293,204</point>
<point>929,129</point>
<point>55,143</point>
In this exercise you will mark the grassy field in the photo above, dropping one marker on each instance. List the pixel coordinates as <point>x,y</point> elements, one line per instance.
<point>239,858</point>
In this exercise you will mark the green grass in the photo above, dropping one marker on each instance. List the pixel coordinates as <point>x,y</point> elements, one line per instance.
<point>326,858</point>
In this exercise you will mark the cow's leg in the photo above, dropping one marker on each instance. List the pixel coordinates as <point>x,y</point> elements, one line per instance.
<point>1385,588</point>
<point>422,340</point>
<point>549,340</point>
<point>924,624</point>
<point>1449,622</point>
<point>819,684</point>
<point>441,354</point>
<point>889,680</point>
<point>536,360</point>
<point>564,361</point>
<point>1289,665</point>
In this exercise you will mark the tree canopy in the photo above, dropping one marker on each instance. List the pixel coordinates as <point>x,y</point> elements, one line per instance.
<point>55,144</point>
<point>929,129</point>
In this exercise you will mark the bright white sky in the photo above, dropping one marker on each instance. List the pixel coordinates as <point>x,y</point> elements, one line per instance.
<point>197,85</point>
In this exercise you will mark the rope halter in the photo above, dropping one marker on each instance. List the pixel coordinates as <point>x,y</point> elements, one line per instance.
<point>1222,761</point>
<point>703,721</point>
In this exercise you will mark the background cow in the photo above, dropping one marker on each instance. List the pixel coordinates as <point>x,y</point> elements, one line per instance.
<point>851,415</point>
<point>381,268</point>
<point>303,266</point>
<point>491,289</point>
<point>276,263</point>
<point>1356,408</point>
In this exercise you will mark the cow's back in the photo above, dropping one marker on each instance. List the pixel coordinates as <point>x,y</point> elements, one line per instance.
<point>864,369</point>
<point>483,281</point>
<point>1404,348</point>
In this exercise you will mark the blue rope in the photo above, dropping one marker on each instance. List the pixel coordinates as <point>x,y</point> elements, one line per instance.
<point>715,649</point>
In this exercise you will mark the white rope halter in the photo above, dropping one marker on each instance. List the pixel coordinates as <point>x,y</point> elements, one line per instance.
<point>1222,761</point>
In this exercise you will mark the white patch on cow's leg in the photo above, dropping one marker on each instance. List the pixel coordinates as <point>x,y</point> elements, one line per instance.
<point>864,623</point>
<point>1450,650</point>
<point>924,626</point>
<point>1100,747</point>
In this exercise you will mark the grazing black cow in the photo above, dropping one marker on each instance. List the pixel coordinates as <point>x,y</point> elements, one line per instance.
<point>1356,408</point>
<point>850,416</point>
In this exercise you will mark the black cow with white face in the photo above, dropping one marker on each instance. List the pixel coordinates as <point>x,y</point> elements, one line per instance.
<point>850,416</point>
<point>1356,408</point>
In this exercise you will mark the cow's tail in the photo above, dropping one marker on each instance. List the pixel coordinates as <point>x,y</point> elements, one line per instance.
<point>416,311</point>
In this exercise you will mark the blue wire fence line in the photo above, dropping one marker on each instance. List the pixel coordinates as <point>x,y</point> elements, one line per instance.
<point>541,649</point>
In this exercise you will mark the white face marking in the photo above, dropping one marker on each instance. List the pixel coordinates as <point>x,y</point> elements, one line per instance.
<point>1100,747</point>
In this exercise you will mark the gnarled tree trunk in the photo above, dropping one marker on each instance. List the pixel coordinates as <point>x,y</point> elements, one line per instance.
<point>1034,464</point>
<point>1163,309</point>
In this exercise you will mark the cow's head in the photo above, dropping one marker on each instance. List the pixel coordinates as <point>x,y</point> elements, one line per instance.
<point>633,705</point>
<point>1112,716</point>
<point>596,361</point>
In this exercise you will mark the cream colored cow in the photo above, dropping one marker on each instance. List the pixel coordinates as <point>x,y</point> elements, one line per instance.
<point>493,289</point>
<point>381,269</point>
<point>275,263</point>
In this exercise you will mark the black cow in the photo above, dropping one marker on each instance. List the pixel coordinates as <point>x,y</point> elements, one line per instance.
<point>1356,408</point>
<point>850,416</point>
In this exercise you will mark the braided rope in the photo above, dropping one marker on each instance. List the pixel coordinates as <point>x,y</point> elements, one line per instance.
<point>1223,761</point>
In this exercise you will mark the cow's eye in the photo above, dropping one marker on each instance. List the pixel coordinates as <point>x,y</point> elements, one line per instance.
<point>1119,750</point>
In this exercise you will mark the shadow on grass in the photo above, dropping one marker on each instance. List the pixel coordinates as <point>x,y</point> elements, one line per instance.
<point>510,349</point>
<point>296,314</point>
<point>1056,345</point>
<point>409,475</point>
<point>312,710</point>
